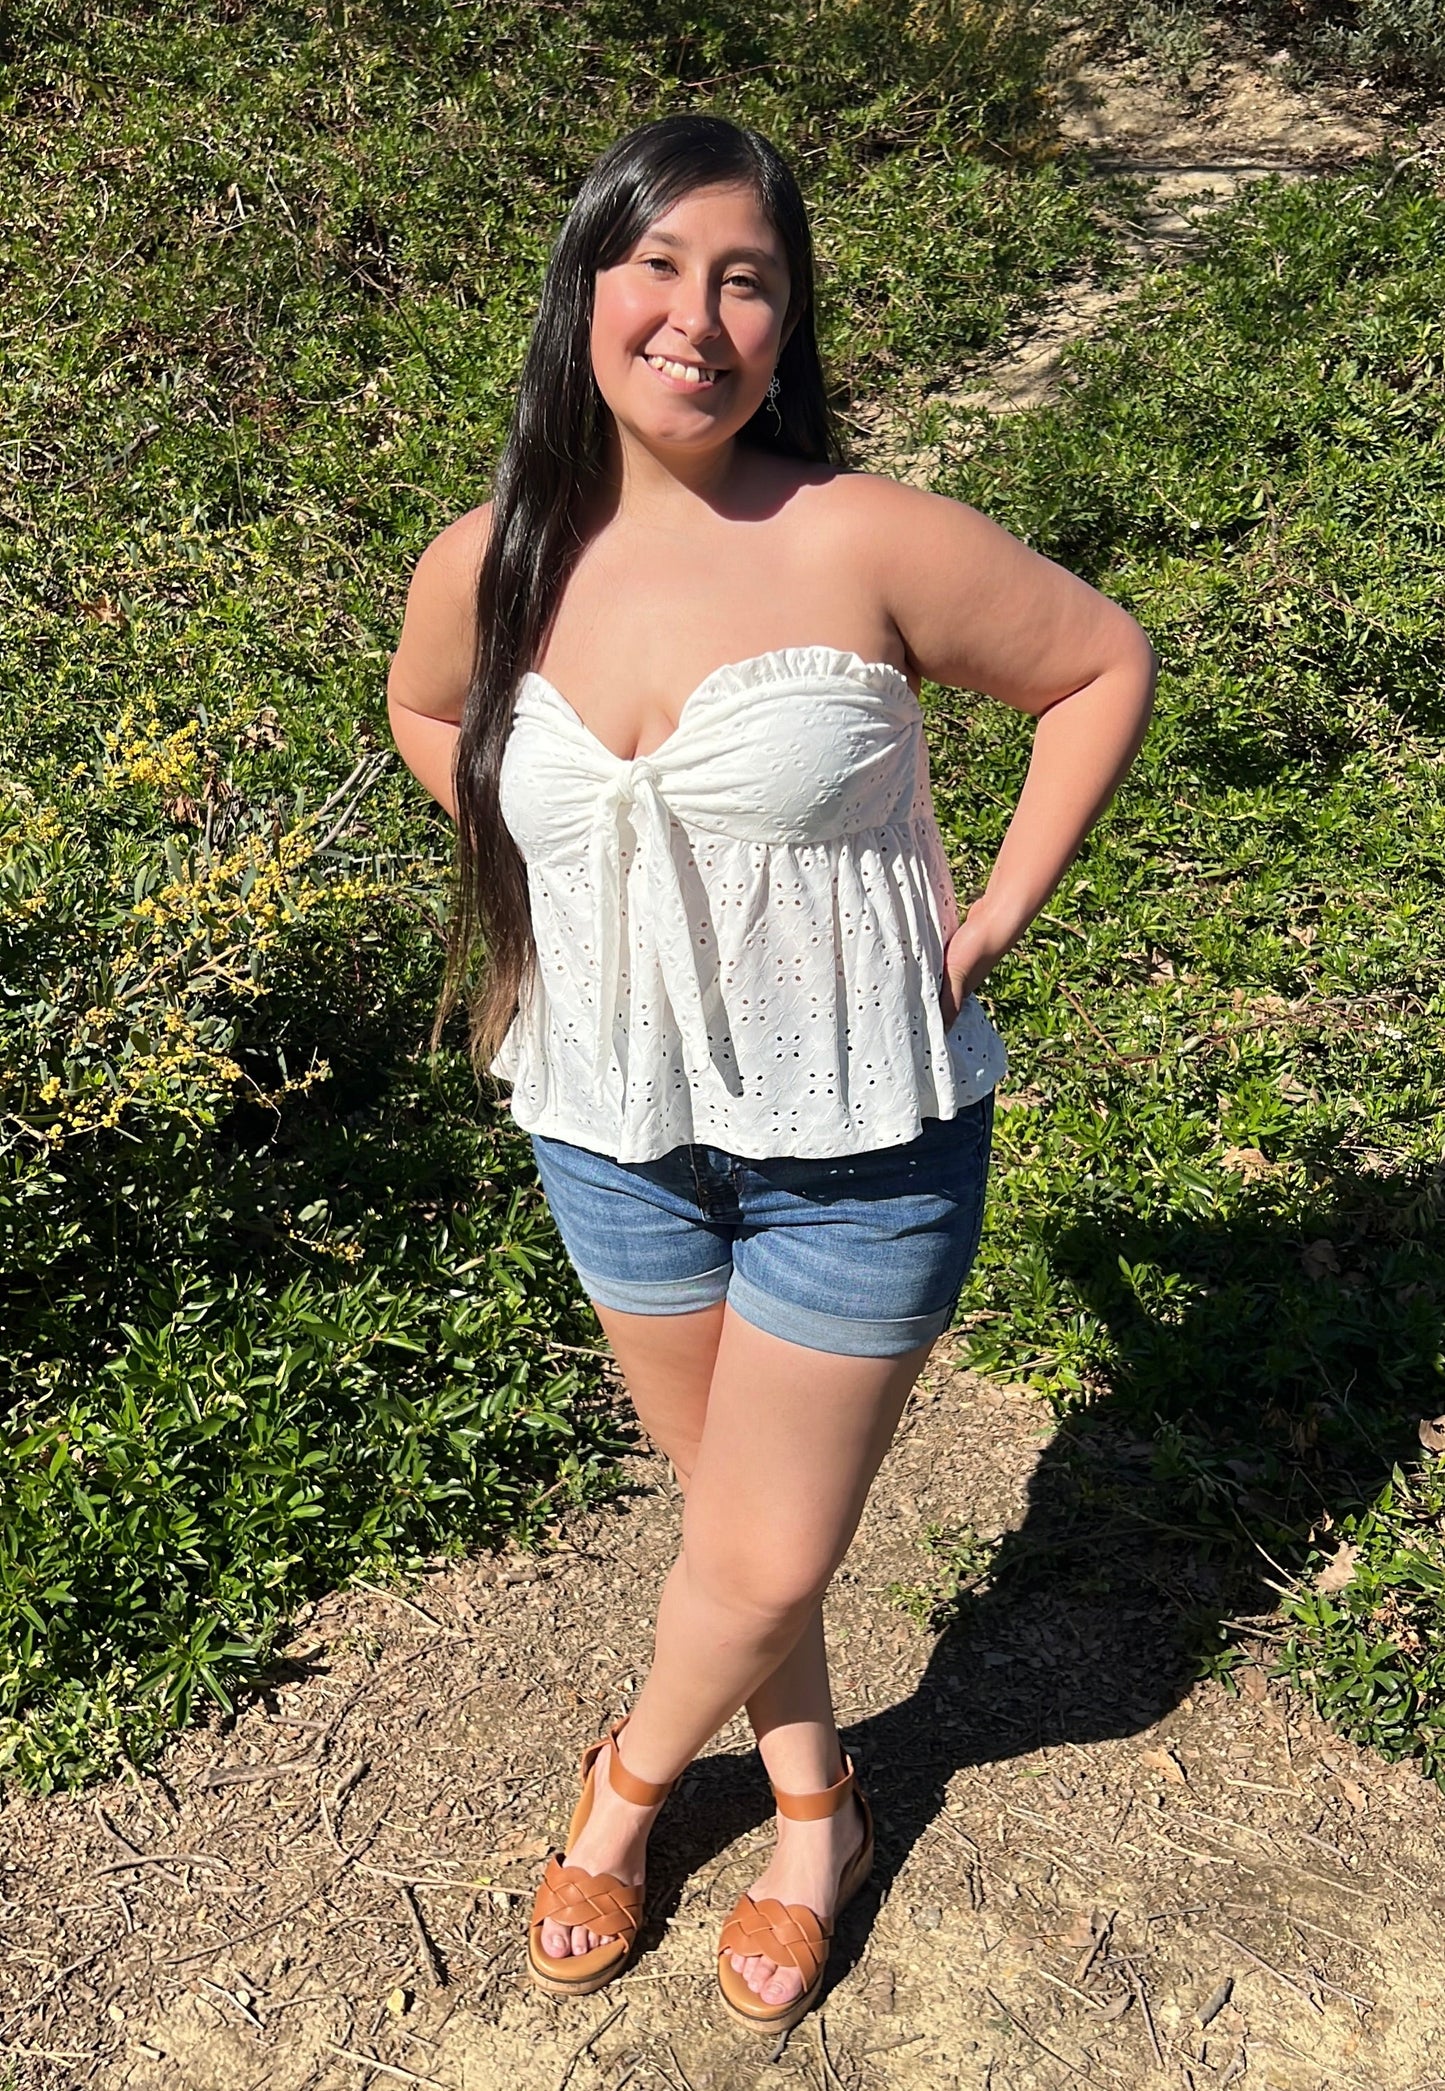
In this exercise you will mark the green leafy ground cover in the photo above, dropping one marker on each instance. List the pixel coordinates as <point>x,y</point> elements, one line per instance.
<point>1220,1213</point>
<point>273,1307</point>
<point>1394,45</point>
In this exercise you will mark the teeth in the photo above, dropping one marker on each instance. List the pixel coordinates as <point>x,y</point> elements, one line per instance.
<point>688,372</point>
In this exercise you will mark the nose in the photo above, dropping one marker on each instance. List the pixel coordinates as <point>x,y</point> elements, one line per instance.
<point>694,307</point>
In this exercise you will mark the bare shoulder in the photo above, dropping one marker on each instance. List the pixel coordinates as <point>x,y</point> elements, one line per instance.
<point>432,665</point>
<point>878,507</point>
<point>976,607</point>
<point>877,524</point>
<point>459,548</point>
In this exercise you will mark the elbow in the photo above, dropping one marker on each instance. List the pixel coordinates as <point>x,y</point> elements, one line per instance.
<point>1144,665</point>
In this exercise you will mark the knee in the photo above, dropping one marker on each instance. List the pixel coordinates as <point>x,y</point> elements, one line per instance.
<point>772,1595</point>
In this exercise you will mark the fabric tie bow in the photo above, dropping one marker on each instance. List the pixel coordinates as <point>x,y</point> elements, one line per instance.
<point>633,796</point>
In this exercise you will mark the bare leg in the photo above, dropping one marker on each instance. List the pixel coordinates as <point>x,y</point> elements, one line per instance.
<point>772,1506</point>
<point>667,1363</point>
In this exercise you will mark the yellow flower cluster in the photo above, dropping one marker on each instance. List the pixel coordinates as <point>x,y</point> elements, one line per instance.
<point>145,754</point>
<point>180,959</point>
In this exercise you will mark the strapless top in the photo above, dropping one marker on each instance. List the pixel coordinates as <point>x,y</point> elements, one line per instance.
<point>740,935</point>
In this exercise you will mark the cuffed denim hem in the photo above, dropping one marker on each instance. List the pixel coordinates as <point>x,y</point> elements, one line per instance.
<point>659,1295</point>
<point>839,1333</point>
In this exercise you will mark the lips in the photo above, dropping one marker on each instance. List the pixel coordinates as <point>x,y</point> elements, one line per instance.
<point>683,376</point>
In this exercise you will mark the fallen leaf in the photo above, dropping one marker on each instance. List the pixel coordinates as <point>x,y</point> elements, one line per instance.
<point>1354,1793</point>
<point>1210,2011</point>
<point>1253,1684</point>
<point>1246,1161</point>
<point>399,2003</point>
<point>1319,1258</point>
<point>878,1991</point>
<point>1116,2008</point>
<point>533,1848</point>
<point>1166,1764</point>
<point>1339,1571</point>
<point>1431,1433</point>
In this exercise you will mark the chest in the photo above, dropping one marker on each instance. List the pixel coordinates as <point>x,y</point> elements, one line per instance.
<point>641,627</point>
<point>800,745</point>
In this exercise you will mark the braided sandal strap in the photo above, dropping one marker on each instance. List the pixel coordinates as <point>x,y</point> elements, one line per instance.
<point>791,1935</point>
<point>570,1896</point>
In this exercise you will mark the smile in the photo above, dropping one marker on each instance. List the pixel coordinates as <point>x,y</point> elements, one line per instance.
<point>694,377</point>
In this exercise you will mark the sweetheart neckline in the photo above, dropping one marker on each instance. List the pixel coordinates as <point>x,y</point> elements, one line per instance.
<point>857,665</point>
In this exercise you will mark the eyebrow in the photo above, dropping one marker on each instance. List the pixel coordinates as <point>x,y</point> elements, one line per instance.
<point>762,254</point>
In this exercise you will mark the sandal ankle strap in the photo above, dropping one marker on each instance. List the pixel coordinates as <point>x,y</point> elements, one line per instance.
<point>643,1793</point>
<point>812,1807</point>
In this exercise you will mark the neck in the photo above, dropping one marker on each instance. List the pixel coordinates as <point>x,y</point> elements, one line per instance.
<point>665,489</point>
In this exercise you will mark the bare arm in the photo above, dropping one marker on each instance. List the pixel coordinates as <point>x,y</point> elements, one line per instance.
<point>979,610</point>
<point>427,682</point>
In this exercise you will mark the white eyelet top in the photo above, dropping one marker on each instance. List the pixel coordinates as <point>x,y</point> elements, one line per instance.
<point>740,936</point>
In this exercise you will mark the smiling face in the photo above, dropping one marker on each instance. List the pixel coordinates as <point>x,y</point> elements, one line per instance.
<point>687,327</point>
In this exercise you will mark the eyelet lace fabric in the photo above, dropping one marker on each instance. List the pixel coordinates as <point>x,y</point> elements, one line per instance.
<point>739,936</point>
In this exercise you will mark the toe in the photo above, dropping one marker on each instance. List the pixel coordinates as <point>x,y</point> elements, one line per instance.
<point>782,1986</point>
<point>760,1973</point>
<point>581,1938</point>
<point>556,1941</point>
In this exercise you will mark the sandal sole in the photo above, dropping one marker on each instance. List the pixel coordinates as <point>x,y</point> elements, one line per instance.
<point>554,1986</point>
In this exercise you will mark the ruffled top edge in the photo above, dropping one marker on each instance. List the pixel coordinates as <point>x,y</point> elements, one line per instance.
<point>803,664</point>
<point>787,664</point>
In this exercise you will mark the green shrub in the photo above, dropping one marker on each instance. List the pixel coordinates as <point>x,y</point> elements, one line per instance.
<point>1400,43</point>
<point>1373,1651</point>
<point>1219,1204</point>
<point>1396,45</point>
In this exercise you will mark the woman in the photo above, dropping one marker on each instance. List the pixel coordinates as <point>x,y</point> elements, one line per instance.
<point>726,975</point>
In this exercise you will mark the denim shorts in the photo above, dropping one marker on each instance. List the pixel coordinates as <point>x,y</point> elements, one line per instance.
<point>863,1255</point>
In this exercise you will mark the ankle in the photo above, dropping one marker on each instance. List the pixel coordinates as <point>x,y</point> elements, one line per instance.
<point>625,1787</point>
<point>634,1771</point>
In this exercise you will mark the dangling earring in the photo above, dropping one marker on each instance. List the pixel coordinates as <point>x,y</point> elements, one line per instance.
<point>772,399</point>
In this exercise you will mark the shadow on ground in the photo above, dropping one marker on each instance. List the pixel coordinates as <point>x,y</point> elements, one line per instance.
<point>1162,1518</point>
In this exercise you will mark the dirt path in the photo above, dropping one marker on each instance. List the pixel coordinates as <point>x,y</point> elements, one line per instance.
<point>1079,1858</point>
<point>1197,152</point>
<point>1238,122</point>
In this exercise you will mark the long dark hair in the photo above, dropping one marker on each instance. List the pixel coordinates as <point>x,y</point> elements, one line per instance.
<point>552,457</point>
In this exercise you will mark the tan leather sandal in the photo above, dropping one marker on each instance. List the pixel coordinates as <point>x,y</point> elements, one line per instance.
<point>791,1934</point>
<point>569,1895</point>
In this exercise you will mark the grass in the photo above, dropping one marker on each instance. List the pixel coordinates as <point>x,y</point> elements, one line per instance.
<point>1218,1213</point>
<point>280,1304</point>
